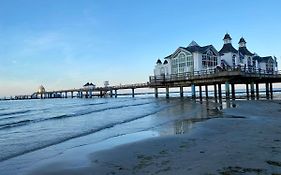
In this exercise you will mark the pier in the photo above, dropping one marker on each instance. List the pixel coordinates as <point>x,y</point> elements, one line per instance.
<point>219,79</point>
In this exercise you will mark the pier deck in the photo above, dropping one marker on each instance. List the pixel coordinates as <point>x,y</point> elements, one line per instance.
<point>212,77</point>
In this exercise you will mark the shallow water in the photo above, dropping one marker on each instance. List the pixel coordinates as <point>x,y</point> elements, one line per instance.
<point>58,125</point>
<point>30,125</point>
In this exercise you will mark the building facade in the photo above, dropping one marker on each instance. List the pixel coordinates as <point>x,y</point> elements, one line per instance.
<point>201,59</point>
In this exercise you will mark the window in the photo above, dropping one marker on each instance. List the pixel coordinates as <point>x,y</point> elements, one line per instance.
<point>174,66</point>
<point>233,60</point>
<point>162,71</point>
<point>181,63</point>
<point>209,60</point>
<point>189,61</point>
<point>269,66</point>
<point>249,61</point>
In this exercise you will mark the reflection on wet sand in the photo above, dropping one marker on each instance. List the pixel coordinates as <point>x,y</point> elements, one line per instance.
<point>210,110</point>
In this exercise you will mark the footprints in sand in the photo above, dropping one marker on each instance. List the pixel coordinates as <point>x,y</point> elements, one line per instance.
<point>255,171</point>
<point>274,163</point>
<point>158,160</point>
<point>240,170</point>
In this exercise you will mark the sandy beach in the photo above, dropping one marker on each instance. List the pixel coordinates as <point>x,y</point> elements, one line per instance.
<point>246,140</point>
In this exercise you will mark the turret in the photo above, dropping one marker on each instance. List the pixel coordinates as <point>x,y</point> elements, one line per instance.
<point>227,39</point>
<point>227,47</point>
<point>242,42</point>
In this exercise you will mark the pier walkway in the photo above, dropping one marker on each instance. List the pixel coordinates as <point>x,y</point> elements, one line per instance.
<point>213,77</point>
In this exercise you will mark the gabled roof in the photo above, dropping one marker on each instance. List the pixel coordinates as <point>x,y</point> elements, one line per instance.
<point>194,48</point>
<point>159,61</point>
<point>263,59</point>
<point>245,51</point>
<point>193,43</point>
<point>227,48</point>
<point>165,62</point>
<point>87,84</point>
<point>180,49</point>
<point>169,56</point>
<point>200,49</point>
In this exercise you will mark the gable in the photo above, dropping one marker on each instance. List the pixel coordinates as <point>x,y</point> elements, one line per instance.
<point>212,50</point>
<point>180,50</point>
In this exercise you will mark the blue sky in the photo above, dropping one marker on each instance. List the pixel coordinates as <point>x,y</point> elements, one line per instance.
<point>65,43</point>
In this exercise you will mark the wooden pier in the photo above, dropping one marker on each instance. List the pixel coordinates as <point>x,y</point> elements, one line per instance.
<point>203,79</point>
<point>217,78</point>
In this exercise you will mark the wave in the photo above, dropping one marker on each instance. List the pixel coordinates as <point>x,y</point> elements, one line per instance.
<point>26,122</point>
<point>108,126</point>
<point>14,113</point>
<point>15,124</point>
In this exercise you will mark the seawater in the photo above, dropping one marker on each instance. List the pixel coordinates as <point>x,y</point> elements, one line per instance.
<point>29,125</point>
<point>59,124</point>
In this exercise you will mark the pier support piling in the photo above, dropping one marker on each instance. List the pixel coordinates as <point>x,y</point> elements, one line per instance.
<point>156,92</point>
<point>257,90</point>
<point>219,89</point>
<point>133,92</point>
<point>193,91</point>
<point>167,92</point>
<point>206,91</point>
<point>215,91</point>
<point>252,90</point>
<point>247,90</point>
<point>200,92</point>
<point>267,90</point>
<point>111,93</point>
<point>227,91</point>
<point>115,93</point>
<point>233,91</point>
<point>181,91</point>
<point>71,94</point>
<point>271,90</point>
<point>91,93</point>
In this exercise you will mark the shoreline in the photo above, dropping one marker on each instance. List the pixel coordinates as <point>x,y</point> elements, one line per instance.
<point>222,142</point>
<point>248,142</point>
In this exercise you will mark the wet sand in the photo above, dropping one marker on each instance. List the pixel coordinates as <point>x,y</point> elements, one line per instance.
<point>247,140</point>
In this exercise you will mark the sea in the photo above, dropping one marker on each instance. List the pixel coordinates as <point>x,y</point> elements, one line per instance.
<point>56,125</point>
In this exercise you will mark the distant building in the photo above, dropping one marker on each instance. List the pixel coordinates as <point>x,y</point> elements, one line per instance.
<point>41,90</point>
<point>89,86</point>
<point>106,83</point>
<point>195,58</point>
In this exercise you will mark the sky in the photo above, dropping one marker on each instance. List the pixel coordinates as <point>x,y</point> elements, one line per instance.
<point>63,44</point>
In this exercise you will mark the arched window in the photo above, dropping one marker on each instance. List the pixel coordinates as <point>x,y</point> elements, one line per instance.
<point>182,62</point>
